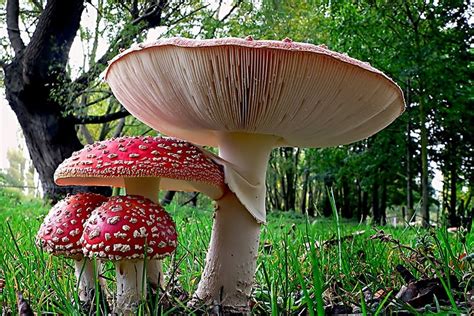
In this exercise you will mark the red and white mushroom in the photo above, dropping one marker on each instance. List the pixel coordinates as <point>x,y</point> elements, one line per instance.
<point>247,97</point>
<point>143,165</point>
<point>60,235</point>
<point>126,229</point>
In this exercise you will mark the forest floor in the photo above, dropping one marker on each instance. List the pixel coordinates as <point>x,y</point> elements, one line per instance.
<point>305,267</point>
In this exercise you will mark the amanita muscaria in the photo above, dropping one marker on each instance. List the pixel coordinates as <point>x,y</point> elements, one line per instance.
<point>247,97</point>
<point>144,165</point>
<point>126,230</point>
<point>60,235</point>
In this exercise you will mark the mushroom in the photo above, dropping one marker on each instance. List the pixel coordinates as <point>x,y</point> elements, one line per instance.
<point>126,229</point>
<point>144,165</point>
<point>60,234</point>
<point>247,97</point>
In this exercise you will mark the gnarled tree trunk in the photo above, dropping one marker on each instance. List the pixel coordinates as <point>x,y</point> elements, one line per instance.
<point>38,87</point>
<point>30,82</point>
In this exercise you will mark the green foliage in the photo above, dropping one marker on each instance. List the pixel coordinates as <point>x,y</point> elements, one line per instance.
<point>424,47</point>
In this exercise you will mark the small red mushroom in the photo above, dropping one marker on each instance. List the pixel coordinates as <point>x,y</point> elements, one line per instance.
<point>126,229</point>
<point>60,235</point>
<point>143,165</point>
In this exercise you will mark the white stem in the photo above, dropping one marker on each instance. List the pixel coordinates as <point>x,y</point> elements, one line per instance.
<point>149,188</point>
<point>130,286</point>
<point>231,259</point>
<point>85,276</point>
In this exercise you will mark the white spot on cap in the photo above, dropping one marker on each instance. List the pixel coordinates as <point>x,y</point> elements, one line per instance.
<point>94,233</point>
<point>113,220</point>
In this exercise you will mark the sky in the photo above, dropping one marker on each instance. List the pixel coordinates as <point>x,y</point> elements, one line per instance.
<point>10,131</point>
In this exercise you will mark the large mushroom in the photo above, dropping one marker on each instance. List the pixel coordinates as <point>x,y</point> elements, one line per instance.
<point>143,165</point>
<point>247,97</point>
<point>60,235</point>
<point>126,230</point>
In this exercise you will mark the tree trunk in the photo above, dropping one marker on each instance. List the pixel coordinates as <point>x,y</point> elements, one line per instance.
<point>453,216</point>
<point>425,207</point>
<point>383,204</point>
<point>168,198</point>
<point>311,209</point>
<point>375,203</point>
<point>38,87</point>
<point>360,211</point>
<point>365,208</point>
<point>304,192</point>
<point>29,85</point>
<point>410,209</point>
<point>327,210</point>
<point>346,205</point>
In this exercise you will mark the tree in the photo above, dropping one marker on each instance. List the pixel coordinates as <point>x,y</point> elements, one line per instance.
<point>49,103</point>
<point>424,46</point>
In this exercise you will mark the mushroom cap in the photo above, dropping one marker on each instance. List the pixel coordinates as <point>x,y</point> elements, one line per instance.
<point>125,227</point>
<point>180,165</point>
<point>306,95</point>
<point>62,228</point>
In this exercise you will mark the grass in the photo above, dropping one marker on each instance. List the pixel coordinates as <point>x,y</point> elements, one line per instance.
<point>304,266</point>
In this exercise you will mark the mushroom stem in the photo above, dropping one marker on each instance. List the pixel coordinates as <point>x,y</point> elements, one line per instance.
<point>130,286</point>
<point>85,276</point>
<point>149,188</point>
<point>231,259</point>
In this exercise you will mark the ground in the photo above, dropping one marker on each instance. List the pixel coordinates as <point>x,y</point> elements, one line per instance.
<point>304,266</point>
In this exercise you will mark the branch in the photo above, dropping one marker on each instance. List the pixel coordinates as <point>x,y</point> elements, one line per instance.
<point>150,12</point>
<point>13,13</point>
<point>99,119</point>
<point>37,4</point>
<point>87,135</point>
<point>119,128</point>
<point>184,17</point>
<point>236,5</point>
<point>123,39</point>
<point>47,53</point>
<point>105,97</point>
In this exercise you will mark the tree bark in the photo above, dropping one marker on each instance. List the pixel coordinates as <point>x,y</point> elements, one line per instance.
<point>425,207</point>
<point>375,203</point>
<point>346,204</point>
<point>453,216</point>
<point>409,158</point>
<point>383,204</point>
<point>38,87</point>
<point>365,208</point>
<point>311,209</point>
<point>304,192</point>
<point>30,81</point>
<point>168,198</point>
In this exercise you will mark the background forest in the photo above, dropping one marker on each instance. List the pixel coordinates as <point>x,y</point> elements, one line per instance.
<point>62,103</point>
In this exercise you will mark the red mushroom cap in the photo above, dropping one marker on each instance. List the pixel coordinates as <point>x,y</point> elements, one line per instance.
<point>125,227</point>
<point>62,228</point>
<point>180,165</point>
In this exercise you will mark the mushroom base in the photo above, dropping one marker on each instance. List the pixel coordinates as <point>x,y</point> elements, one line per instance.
<point>149,188</point>
<point>131,289</point>
<point>231,259</point>
<point>85,276</point>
